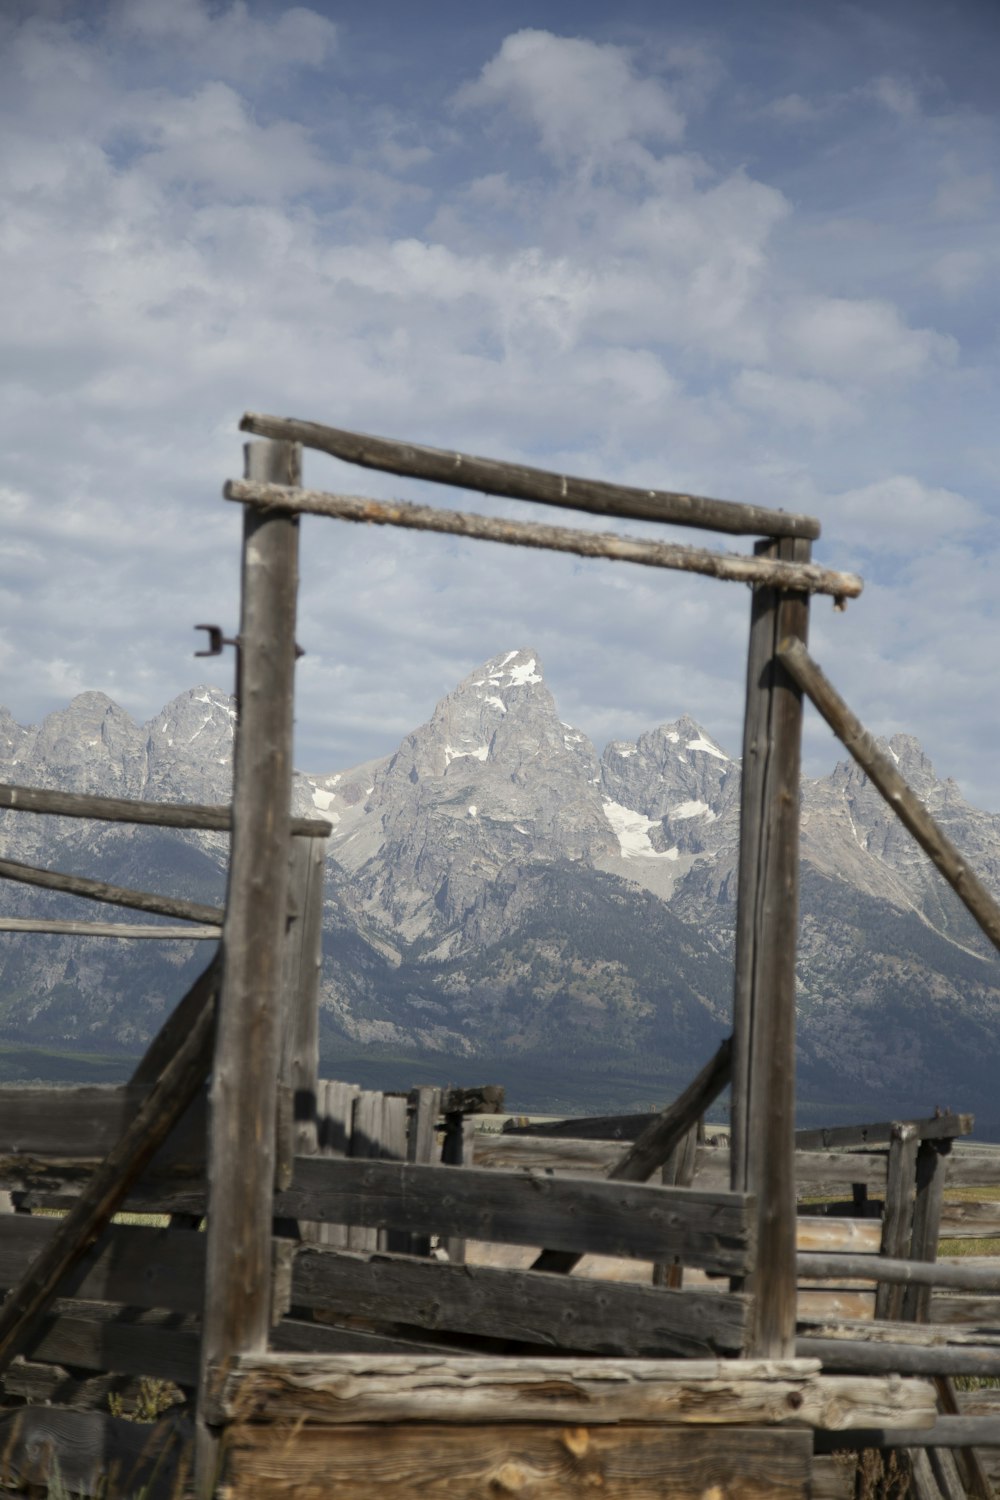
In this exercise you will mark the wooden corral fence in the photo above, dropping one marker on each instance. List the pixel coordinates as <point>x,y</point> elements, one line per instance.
<point>335,1339</point>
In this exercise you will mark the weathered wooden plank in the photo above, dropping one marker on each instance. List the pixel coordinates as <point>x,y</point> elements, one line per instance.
<point>897,1219</point>
<point>520,482</point>
<point>823,1235</point>
<point>82,1121</point>
<point>973,1167</point>
<point>841,1302</point>
<point>885,776</point>
<point>833,1476</point>
<point>298,1069</point>
<point>244,1078</point>
<point>52,1385</point>
<point>938,1127</point>
<point>134,1264</point>
<point>526,1306</point>
<point>639,1221</point>
<point>446,1463</point>
<point>654,1146</point>
<point>732,567</point>
<point>117,1340</point>
<point>335,1115</point>
<point>162,933</point>
<point>84,1453</point>
<point>114,895</point>
<point>127,810</point>
<point>970,1220</point>
<point>164,1105</point>
<point>515,1152</point>
<point>763,1113</point>
<point>469,1390</point>
<point>949,1308</point>
<point>930,1179</point>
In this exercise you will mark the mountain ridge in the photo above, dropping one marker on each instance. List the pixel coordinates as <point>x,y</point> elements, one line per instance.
<point>501,896</point>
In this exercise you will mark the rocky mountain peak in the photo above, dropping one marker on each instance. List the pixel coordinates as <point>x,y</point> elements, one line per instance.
<point>92,745</point>
<point>191,742</point>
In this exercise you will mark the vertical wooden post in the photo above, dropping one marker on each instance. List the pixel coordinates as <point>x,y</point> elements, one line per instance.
<point>243,1094</point>
<point>298,1072</point>
<point>897,1219</point>
<point>763,1114</point>
<point>931,1168</point>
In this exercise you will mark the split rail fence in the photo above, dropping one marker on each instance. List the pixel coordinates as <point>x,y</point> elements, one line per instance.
<point>325,1319</point>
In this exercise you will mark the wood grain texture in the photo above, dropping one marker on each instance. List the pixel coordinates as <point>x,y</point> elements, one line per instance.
<point>718,1393</point>
<point>763,1115</point>
<point>527,1306</point>
<point>897,1216</point>
<point>636,1220</point>
<point>298,1069</point>
<point>729,566</point>
<point>533,1462</point>
<point>125,810</point>
<point>520,482</point>
<point>943,1126</point>
<point>84,1452</point>
<point>244,1076</point>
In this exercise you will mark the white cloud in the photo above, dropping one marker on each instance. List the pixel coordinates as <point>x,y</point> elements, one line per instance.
<point>900,514</point>
<point>861,339</point>
<point>229,42</point>
<point>965,196</point>
<point>896,95</point>
<point>207,142</point>
<point>958,271</point>
<point>794,402</point>
<point>584,99</point>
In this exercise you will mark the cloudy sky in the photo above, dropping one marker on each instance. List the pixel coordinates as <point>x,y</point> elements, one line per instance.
<point>749,250</point>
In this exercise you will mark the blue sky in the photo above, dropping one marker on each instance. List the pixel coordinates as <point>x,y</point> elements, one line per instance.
<point>747,250</point>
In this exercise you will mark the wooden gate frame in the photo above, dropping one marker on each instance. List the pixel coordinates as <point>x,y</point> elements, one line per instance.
<point>241,1153</point>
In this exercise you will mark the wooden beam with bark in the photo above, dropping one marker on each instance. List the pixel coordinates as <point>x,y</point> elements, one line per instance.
<point>729,566</point>
<point>520,482</point>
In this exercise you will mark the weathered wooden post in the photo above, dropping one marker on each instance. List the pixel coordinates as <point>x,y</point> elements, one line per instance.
<point>241,1153</point>
<point>298,1071</point>
<point>763,1113</point>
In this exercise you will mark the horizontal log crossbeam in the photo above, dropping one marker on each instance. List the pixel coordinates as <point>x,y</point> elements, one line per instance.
<point>520,482</point>
<point>112,895</point>
<point>732,567</point>
<point>208,816</point>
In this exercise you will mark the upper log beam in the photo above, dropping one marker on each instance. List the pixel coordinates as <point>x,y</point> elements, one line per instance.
<point>520,482</point>
<point>124,810</point>
<point>732,567</point>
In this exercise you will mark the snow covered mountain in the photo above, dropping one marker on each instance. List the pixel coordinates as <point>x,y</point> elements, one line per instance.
<point>502,901</point>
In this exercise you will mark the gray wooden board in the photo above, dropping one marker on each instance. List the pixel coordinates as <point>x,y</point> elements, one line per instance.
<point>642,1221</point>
<point>530,1306</point>
<point>86,1122</point>
<point>133,1264</point>
<point>83,1451</point>
<point>119,1340</point>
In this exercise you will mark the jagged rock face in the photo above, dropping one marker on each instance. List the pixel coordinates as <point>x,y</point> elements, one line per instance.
<point>492,782</point>
<point>494,890</point>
